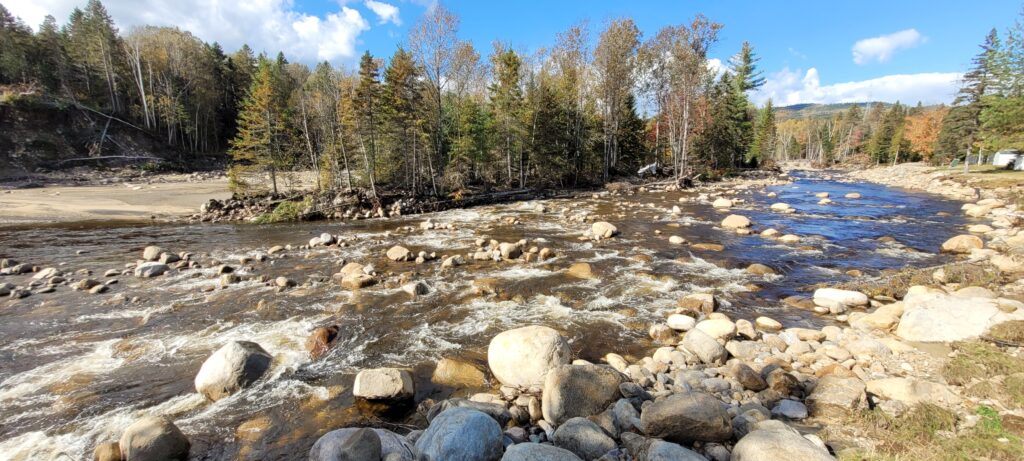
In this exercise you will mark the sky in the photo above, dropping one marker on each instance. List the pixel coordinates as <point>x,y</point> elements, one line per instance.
<point>810,51</point>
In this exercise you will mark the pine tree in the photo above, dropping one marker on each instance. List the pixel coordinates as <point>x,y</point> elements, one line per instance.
<point>764,135</point>
<point>507,106</point>
<point>403,110</point>
<point>16,43</point>
<point>958,137</point>
<point>262,141</point>
<point>367,99</point>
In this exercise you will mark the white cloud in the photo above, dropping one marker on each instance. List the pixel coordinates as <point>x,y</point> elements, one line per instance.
<point>265,25</point>
<point>716,66</point>
<point>385,11</point>
<point>788,87</point>
<point>881,48</point>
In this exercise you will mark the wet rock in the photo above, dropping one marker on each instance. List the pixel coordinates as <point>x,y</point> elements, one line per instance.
<point>523,356</point>
<point>704,347</point>
<point>722,203</point>
<point>584,438</point>
<point>760,269</point>
<point>357,281</point>
<point>686,418</point>
<point>321,340</point>
<point>962,244</point>
<point>853,195</point>
<point>767,324</point>
<point>581,271</point>
<point>284,282</point>
<point>461,434</point>
<point>108,451</point>
<point>780,207</point>
<point>150,269</point>
<point>579,390</point>
<point>414,289</point>
<point>602,229</point>
<point>391,384</point>
<point>662,333</point>
<point>399,253</point>
<point>152,253</point>
<point>747,377</point>
<point>459,374</point>
<point>234,366</point>
<point>229,279</point>
<point>701,303</point>
<point>839,301</point>
<point>538,452</point>
<point>836,396</point>
<point>342,444</point>
<point>46,273</point>
<point>778,443</point>
<point>275,249</point>
<point>718,328</point>
<point>680,322</point>
<point>152,438</point>
<point>510,250</point>
<point>735,221</point>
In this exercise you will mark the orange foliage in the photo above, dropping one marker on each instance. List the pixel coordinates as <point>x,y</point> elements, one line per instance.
<point>923,130</point>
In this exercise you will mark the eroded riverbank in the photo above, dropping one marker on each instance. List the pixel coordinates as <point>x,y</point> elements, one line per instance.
<point>77,368</point>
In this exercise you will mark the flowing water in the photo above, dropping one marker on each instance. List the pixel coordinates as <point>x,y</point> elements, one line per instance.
<point>77,368</point>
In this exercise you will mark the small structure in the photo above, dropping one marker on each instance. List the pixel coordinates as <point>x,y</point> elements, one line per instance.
<point>1009,159</point>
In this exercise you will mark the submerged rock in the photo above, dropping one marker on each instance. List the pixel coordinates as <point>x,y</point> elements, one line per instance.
<point>321,340</point>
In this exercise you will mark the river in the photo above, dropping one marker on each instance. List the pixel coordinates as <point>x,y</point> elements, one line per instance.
<point>76,368</point>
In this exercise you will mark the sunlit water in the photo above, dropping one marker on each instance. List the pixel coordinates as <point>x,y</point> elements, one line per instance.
<point>75,368</point>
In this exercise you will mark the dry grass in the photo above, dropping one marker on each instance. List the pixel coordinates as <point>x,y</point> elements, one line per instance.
<point>895,283</point>
<point>981,361</point>
<point>928,433</point>
<point>1011,331</point>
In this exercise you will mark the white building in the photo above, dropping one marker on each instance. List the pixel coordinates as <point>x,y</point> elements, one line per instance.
<point>1006,157</point>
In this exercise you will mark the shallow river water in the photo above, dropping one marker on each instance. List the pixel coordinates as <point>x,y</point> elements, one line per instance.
<point>77,368</point>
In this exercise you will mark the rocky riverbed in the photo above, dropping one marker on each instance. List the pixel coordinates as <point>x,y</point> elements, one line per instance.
<point>639,324</point>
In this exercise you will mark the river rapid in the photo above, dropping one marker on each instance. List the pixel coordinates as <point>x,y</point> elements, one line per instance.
<point>77,368</point>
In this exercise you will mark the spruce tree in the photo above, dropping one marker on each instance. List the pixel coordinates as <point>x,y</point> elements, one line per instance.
<point>262,141</point>
<point>764,135</point>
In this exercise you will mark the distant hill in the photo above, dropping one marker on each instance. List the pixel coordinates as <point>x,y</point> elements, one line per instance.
<point>818,110</point>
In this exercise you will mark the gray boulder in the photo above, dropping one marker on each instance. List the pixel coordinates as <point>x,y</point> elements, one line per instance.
<point>231,368</point>
<point>686,418</point>
<point>153,438</point>
<point>579,390</point>
<point>336,445</point>
<point>837,396</point>
<point>461,434</point>
<point>497,411</point>
<point>660,450</point>
<point>538,452</point>
<point>584,438</point>
<point>777,443</point>
<point>383,384</point>
<point>151,269</point>
<point>704,347</point>
<point>523,356</point>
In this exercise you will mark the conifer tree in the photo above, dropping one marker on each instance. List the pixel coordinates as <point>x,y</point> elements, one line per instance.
<point>262,141</point>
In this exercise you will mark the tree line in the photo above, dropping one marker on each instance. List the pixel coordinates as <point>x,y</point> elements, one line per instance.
<point>986,115</point>
<point>436,117</point>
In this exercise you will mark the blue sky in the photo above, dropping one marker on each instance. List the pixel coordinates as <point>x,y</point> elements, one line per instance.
<point>909,50</point>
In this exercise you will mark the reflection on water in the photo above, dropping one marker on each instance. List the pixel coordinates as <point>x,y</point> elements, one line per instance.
<point>75,368</point>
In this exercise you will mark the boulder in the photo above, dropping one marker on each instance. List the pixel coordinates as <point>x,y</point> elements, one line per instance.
<point>584,438</point>
<point>718,328</point>
<point>523,356</point>
<point>722,203</point>
<point>459,374</point>
<point>836,396</point>
<point>152,253</point>
<point>853,195</point>
<point>538,452</point>
<point>602,229</point>
<point>579,390</point>
<point>760,269</point>
<point>153,438</point>
<point>937,317</point>
<point>701,303</point>
<point>660,450</point>
<point>843,299</point>
<point>150,269</point>
<point>681,322</point>
<point>399,253</point>
<point>510,250</point>
<point>704,347</point>
<point>676,240</point>
<point>913,391</point>
<point>345,444</point>
<point>962,244</point>
<point>384,384</point>
<point>780,206</point>
<point>108,451</point>
<point>320,341</point>
<point>686,418</point>
<point>767,324</point>
<point>735,221</point>
<point>777,444</point>
<point>747,377</point>
<point>231,368</point>
<point>357,281</point>
<point>461,434</point>
<point>497,411</point>
<point>790,409</point>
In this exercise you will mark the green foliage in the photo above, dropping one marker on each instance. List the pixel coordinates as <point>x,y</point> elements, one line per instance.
<point>286,211</point>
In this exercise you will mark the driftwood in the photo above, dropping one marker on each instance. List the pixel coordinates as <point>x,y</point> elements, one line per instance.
<point>105,157</point>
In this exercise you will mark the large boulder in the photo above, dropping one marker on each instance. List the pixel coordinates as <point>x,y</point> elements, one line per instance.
<point>342,444</point>
<point>461,434</point>
<point>384,384</point>
<point>660,450</point>
<point>706,348</point>
<point>579,390</point>
<point>686,418</point>
<point>510,250</point>
<point>498,411</point>
<point>152,253</point>
<point>584,438</point>
<point>231,368</point>
<point>929,316</point>
<point>154,438</point>
<point>538,452</point>
<point>912,391</point>
<point>777,443</point>
<point>735,221</point>
<point>722,202</point>
<point>456,373</point>
<point>399,253</point>
<point>523,356</point>
<point>107,451</point>
<point>603,230</point>
<point>962,244</point>
<point>836,396</point>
